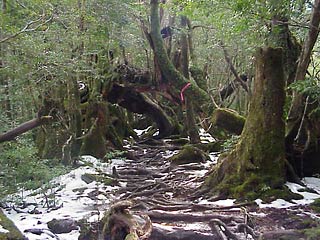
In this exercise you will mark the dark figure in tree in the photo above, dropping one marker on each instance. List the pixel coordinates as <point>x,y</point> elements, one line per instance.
<point>166,32</point>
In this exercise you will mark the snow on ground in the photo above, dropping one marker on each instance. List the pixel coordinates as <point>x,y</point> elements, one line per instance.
<point>71,193</point>
<point>3,230</point>
<point>140,132</point>
<point>205,136</point>
<point>308,197</point>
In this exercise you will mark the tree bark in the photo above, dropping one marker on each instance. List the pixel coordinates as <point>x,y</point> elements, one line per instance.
<point>257,163</point>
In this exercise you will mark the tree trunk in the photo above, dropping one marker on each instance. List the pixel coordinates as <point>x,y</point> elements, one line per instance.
<point>302,135</point>
<point>169,72</point>
<point>94,141</point>
<point>139,103</point>
<point>257,164</point>
<point>190,116</point>
<point>298,102</point>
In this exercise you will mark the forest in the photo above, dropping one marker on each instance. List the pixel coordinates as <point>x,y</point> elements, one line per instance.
<point>159,119</point>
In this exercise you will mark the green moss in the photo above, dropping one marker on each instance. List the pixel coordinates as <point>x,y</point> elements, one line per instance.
<point>14,233</point>
<point>315,206</point>
<point>312,233</point>
<point>210,147</point>
<point>228,120</point>
<point>189,154</point>
<point>99,178</point>
<point>253,186</point>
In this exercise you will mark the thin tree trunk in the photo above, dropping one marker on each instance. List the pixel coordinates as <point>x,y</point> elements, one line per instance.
<point>298,103</point>
<point>190,115</point>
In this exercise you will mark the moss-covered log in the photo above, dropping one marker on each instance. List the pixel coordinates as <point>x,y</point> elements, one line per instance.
<point>228,120</point>
<point>256,167</point>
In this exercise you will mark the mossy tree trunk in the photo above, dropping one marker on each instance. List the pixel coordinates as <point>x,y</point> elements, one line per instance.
<point>168,71</point>
<point>257,164</point>
<point>94,141</point>
<point>190,116</point>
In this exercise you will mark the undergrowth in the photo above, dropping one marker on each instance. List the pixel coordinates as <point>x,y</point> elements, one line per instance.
<point>22,169</point>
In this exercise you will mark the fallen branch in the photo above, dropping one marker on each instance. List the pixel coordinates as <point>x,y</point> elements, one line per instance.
<point>24,127</point>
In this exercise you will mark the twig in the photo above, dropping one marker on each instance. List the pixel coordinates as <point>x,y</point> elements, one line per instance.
<point>27,28</point>
<point>302,120</point>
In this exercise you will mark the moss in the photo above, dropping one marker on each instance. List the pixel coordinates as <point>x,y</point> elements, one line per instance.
<point>87,177</point>
<point>14,233</point>
<point>312,233</point>
<point>179,141</point>
<point>252,186</point>
<point>315,206</point>
<point>210,147</point>
<point>189,154</point>
<point>228,120</point>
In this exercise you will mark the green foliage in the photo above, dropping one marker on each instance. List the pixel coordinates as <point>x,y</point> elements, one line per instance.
<point>316,205</point>
<point>230,143</point>
<point>309,87</point>
<point>22,169</point>
<point>115,154</point>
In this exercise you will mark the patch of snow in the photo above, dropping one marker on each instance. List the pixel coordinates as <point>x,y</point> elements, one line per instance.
<point>279,203</point>
<point>156,133</point>
<point>140,132</point>
<point>205,137</point>
<point>307,196</point>
<point>71,193</point>
<point>3,230</point>
<point>168,153</point>
<point>213,158</point>
<point>313,183</point>
<point>222,203</point>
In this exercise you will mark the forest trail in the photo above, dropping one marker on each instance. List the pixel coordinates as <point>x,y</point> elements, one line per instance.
<point>171,196</point>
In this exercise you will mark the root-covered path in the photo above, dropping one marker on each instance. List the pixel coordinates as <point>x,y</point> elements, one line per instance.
<point>169,195</point>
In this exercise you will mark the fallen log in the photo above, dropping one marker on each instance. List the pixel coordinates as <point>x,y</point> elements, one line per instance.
<point>24,127</point>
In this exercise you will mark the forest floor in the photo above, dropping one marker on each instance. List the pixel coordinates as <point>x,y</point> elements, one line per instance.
<point>170,195</point>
